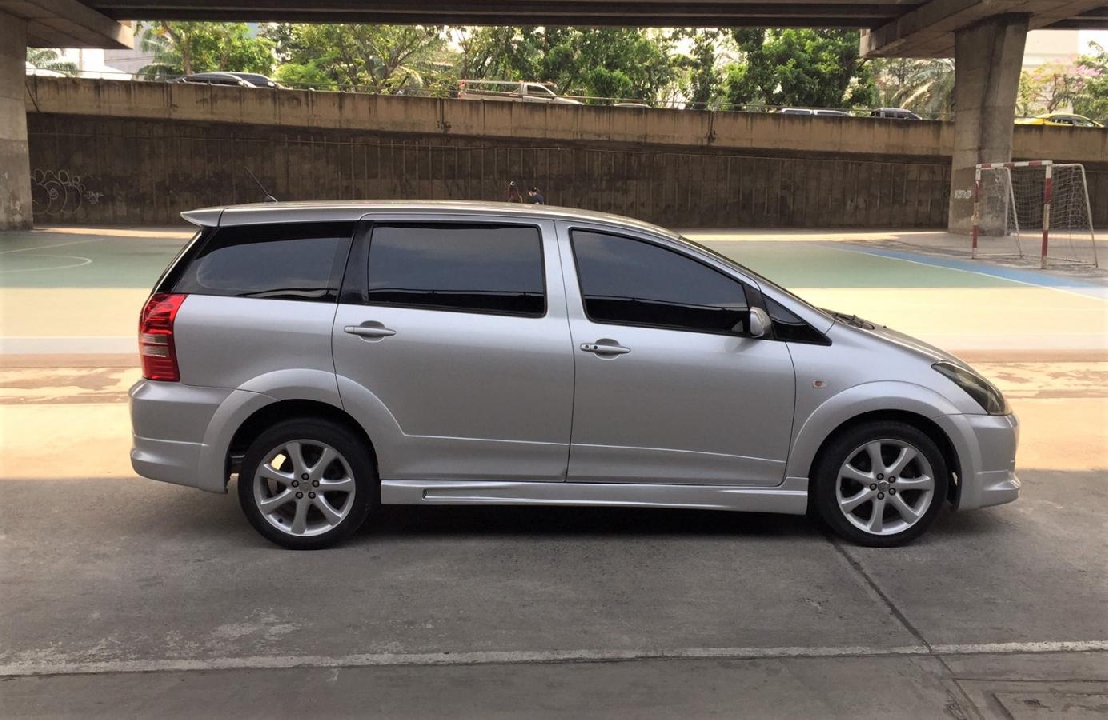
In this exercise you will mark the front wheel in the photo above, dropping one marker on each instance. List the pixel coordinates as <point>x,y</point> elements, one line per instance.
<point>307,484</point>
<point>880,484</point>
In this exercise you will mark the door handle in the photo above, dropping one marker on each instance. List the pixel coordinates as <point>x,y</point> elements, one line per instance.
<point>374,331</point>
<point>604,349</point>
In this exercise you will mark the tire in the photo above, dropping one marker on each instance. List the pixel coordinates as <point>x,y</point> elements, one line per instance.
<point>872,506</point>
<point>281,476</point>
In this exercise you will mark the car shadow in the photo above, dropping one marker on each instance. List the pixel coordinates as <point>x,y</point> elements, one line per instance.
<point>398,521</point>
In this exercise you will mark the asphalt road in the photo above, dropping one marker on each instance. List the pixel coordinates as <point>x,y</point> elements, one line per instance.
<point>124,597</point>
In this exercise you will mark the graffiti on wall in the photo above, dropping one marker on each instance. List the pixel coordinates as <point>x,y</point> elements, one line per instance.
<point>59,193</point>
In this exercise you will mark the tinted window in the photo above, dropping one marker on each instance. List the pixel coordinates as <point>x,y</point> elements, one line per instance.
<point>465,268</point>
<point>301,261</point>
<point>631,282</point>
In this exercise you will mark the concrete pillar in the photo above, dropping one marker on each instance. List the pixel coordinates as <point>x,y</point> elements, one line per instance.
<point>988,58</point>
<point>15,163</point>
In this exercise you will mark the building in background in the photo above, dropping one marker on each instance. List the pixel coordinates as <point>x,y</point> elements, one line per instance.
<point>1046,47</point>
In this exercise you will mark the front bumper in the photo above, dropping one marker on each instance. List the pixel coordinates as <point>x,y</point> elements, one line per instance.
<point>986,447</point>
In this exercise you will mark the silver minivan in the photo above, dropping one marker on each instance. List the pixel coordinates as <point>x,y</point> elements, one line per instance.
<point>338,357</point>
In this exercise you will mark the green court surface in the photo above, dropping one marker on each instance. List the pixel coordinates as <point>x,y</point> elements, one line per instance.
<point>65,260</point>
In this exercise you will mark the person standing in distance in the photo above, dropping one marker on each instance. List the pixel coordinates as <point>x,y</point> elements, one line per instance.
<point>535,197</point>
<point>513,193</point>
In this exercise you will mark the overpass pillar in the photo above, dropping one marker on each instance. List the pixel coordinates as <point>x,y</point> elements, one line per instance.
<point>988,57</point>
<point>15,163</point>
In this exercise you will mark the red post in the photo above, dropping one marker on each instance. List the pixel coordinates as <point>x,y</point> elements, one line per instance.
<point>1047,192</point>
<point>976,208</point>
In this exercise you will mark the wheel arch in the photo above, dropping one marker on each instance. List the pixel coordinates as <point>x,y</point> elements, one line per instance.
<point>267,416</point>
<point>924,424</point>
<point>913,404</point>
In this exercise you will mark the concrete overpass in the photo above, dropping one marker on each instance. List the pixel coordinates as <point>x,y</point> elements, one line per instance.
<point>986,37</point>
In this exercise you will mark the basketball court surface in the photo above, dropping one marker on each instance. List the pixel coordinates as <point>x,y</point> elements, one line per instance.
<point>79,290</point>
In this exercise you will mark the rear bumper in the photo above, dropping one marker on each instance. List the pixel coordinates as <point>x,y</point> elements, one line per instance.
<point>169,423</point>
<point>166,460</point>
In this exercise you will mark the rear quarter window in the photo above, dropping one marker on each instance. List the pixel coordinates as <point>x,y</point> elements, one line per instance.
<point>296,261</point>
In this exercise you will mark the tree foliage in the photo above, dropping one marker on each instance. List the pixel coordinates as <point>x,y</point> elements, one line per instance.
<point>924,86</point>
<point>50,59</point>
<point>797,66</point>
<point>1092,100</point>
<point>705,68</point>
<point>700,78</point>
<point>1048,88</point>
<point>374,58</point>
<point>181,48</point>
<point>603,62</point>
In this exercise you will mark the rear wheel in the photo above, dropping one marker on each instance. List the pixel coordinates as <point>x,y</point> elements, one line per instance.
<point>307,484</point>
<point>880,484</point>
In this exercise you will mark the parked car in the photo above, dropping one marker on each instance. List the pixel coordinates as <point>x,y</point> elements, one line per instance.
<point>1060,119</point>
<point>258,80</point>
<point>234,79</point>
<point>895,114</point>
<point>511,91</point>
<point>832,113</point>
<point>338,357</point>
<point>795,111</point>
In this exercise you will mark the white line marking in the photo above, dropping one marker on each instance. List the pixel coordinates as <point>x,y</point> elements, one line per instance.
<point>49,247</point>
<point>276,662</point>
<point>964,270</point>
<point>86,261</point>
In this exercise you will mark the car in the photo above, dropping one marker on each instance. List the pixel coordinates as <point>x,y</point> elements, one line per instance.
<point>258,80</point>
<point>234,79</point>
<point>832,113</point>
<point>894,114</point>
<point>338,358</point>
<point>511,91</point>
<point>795,111</point>
<point>1060,119</point>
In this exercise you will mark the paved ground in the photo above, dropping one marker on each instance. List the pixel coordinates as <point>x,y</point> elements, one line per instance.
<point>127,598</point>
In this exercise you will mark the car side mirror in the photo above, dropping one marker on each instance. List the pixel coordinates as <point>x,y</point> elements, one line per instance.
<point>759,322</point>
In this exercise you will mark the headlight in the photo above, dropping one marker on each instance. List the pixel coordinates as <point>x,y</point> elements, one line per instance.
<point>981,390</point>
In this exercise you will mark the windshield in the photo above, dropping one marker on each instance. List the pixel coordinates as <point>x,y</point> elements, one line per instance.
<point>760,279</point>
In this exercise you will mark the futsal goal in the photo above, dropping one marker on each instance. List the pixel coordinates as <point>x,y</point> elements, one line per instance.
<point>1033,209</point>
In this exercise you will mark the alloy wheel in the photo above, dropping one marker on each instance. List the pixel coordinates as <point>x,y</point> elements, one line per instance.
<point>885,486</point>
<point>304,488</point>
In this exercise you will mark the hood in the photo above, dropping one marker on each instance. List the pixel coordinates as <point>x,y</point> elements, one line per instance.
<point>902,340</point>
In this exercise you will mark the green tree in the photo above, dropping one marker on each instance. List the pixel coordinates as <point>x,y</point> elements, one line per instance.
<point>1048,88</point>
<point>1092,98</point>
<point>181,48</point>
<point>377,58</point>
<point>50,59</point>
<point>700,80</point>
<point>601,62</point>
<point>924,86</point>
<point>809,68</point>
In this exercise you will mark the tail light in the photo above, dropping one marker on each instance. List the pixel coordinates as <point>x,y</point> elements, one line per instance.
<point>159,354</point>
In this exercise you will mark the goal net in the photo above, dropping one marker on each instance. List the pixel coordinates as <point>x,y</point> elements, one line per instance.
<point>1036,210</point>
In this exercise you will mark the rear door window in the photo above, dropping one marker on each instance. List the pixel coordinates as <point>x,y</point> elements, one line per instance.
<point>490,269</point>
<point>295,261</point>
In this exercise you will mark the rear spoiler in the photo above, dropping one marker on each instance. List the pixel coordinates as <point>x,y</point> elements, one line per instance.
<point>204,217</point>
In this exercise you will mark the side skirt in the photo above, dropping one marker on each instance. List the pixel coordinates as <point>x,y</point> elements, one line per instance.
<point>790,497</point>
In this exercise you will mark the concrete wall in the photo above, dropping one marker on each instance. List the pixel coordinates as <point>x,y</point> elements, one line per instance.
<point>123,153</point>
